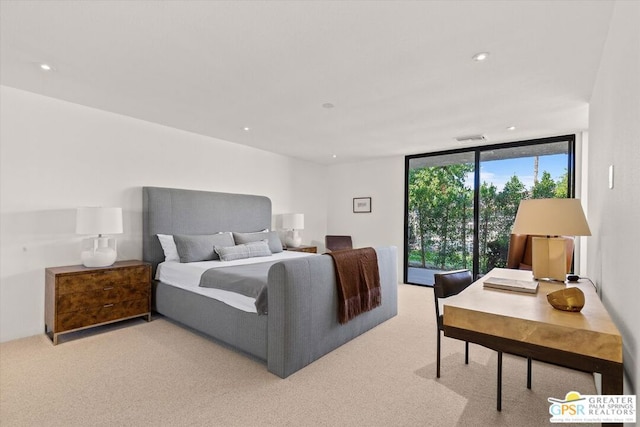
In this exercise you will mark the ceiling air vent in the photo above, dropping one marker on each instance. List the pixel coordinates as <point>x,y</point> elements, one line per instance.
<point>471,138</point>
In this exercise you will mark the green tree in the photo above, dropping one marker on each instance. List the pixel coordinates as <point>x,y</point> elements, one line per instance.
<point>439,207</point>
<point>419,205</point>
<point>441,215</point>
<point>488,213</point>
<point>508,201</point>
<point>562,186</point>
<point>545,188</point>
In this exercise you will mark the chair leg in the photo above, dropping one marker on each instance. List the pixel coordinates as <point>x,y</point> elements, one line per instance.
<point>438,357</point>
<point>529,373</point>
<point>466,352</point>
<point>499,405</point>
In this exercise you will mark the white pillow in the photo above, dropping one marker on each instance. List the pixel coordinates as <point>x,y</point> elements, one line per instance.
<point>169,247</point>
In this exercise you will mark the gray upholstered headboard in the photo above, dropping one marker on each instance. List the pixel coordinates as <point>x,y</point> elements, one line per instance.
<point>176,211</point>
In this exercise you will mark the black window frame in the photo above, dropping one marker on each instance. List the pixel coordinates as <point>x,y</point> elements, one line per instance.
<point>477,150</point>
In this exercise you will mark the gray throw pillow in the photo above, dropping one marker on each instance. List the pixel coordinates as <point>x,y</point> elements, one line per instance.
<point>200,247</point>
<point>275,244</point>
<point>247,250</point>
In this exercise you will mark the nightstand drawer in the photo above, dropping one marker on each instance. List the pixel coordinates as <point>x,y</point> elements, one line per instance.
<point>108,295</point>
<point>98,280</point>
<point>96,315</point>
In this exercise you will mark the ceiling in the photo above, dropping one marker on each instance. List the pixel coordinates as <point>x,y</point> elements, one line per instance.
<point>399,74</point>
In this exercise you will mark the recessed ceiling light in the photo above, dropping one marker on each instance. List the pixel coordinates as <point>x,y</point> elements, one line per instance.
<point>511,128</point>
<point>334,155</point>
<point>246,128</point>
<point>481,56</point>
<point>327,105</point>
<point>46,67</point>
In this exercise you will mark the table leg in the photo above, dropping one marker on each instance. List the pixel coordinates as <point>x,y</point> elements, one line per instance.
<point>612,383</point>
<point>499,406</point>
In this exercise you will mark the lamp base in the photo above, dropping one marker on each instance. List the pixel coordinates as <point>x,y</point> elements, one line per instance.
<point>549,258</point>
<point>101,252</point>
<point>293,239</point>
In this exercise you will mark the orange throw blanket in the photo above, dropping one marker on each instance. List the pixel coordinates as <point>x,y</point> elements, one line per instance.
<point>358,282</point>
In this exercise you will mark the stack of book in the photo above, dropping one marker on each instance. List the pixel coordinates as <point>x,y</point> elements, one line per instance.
<point>527,286</point>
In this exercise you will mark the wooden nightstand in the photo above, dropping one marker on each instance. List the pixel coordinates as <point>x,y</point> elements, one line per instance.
<point>78,297</point>
<point>310,249</point>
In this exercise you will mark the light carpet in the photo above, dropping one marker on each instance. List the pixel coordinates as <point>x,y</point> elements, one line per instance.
<point>136,373</point>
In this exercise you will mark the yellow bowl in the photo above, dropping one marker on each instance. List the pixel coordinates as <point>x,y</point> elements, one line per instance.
<point>568,299</point>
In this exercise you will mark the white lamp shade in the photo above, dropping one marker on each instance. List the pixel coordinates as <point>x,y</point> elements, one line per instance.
<point>293,221</point>
<point>551,217</point>
<point>98,220</point>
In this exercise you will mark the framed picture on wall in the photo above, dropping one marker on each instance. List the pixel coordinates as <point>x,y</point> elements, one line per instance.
<point>361,204</point>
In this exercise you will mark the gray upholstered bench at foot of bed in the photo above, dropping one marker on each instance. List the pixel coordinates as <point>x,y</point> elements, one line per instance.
<point>303,304</point>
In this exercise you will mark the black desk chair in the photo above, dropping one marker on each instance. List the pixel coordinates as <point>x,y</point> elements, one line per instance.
<point>452,283</point>
<point>446,285</point>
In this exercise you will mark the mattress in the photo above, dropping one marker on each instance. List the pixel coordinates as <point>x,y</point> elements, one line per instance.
<point>187,276</point>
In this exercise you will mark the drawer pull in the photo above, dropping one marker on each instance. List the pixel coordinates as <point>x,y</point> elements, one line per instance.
<point>108,288</point>
<point>108,305</point>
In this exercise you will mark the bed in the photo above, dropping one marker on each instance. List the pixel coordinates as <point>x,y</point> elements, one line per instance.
<point>301,325</point>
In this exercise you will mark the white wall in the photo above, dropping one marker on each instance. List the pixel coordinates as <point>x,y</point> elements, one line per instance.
<point>614,214</point>
<point>383,181</point>
<point>56,156</point>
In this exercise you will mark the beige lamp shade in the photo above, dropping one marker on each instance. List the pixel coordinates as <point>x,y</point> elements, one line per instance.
<point>551,217</point>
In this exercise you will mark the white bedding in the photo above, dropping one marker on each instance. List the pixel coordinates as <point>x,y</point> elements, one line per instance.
<point>187,276</point>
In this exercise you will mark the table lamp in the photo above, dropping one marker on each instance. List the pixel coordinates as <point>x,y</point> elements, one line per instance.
<point>293,223</point>
<point>99,251</point>
<point>548,219</point>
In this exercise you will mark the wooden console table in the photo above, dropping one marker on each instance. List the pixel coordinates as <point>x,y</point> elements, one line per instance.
<point>527,325</point>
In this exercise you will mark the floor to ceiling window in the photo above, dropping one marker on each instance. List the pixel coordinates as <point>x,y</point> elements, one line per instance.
<point>460,204</point>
